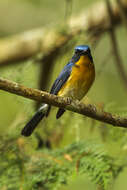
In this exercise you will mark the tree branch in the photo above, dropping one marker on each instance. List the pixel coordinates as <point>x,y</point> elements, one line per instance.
<point>122,12</point>
<point>115,50</point>
<point>95,20</point>
<point>66,103</point>
<point>31,43</point>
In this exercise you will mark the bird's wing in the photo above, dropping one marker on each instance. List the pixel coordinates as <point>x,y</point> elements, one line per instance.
<point>62,78</point>
<point>60,81</point>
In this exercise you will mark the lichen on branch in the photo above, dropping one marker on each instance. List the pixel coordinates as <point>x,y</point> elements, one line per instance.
<point>72,105</point>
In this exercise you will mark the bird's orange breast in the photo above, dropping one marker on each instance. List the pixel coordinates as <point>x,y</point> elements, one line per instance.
<point>80,80</point>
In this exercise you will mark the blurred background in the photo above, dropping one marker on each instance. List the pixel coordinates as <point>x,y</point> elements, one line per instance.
<point>22,158</point>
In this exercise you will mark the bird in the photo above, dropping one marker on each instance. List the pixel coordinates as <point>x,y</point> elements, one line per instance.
<point>74,81</point>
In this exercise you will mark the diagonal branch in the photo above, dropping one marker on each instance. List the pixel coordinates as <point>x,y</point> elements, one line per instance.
<point>66,103</point>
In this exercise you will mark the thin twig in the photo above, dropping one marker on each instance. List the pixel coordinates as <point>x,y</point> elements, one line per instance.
<point>66,103</point>
<point>104,62</point>
<point>122,12</point>
<point>68,9</point>
<point>117,57</point>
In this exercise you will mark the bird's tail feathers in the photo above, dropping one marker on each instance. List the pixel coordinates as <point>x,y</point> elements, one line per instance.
<point>48,110</point>
<point>32,124</point>
<point>60,113</point>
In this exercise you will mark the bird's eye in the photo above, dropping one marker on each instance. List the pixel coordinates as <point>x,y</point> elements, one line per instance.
<point>79,52</point>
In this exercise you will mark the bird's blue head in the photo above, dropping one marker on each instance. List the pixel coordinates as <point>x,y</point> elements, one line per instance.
<point>83,50</point>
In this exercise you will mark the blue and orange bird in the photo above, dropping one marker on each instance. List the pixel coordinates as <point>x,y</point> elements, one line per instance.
<point>74,81</point>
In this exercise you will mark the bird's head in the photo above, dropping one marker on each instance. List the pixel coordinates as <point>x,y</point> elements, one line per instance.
<point>83,50</point>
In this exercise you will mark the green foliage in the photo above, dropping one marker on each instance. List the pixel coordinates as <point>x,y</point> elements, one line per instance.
<point>51,169</point>
<point>25,167</point>
<point>22,165</point>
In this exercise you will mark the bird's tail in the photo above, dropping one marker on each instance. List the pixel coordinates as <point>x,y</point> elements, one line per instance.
<point>32,124</point>
<point>60,113</point>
